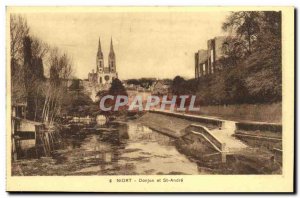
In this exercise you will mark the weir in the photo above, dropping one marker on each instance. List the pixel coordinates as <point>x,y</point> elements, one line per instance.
<point>229,137</point>
<point>218,133</point>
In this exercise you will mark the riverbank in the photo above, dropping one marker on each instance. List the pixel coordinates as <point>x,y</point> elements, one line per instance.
<point>168,125</point>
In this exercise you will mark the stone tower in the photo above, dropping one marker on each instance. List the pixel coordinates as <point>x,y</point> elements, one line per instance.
<point>111,59</point>
<point>99,59</point>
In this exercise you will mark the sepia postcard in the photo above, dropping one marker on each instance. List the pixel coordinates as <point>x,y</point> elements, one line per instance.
<point>150,99</point>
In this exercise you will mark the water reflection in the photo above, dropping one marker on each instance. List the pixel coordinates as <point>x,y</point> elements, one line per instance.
<point>122,149</point>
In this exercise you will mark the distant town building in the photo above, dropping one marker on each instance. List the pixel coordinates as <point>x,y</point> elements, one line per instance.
<point>206,60</point>
<point>104,75</point>
<point>161,88</point>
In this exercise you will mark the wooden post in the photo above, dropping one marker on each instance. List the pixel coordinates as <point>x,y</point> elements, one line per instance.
<point>13,143</point>
<point>223,156</point>
<point>44,143</point>
<point>37,129</point>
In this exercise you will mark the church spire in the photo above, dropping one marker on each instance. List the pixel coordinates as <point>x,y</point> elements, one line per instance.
<point>99,53</point>
<point>111,52</point>
<point>99,58</point>
<point>111,58</point>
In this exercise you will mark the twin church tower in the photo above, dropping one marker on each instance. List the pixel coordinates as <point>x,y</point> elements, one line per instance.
<point>104,75</point>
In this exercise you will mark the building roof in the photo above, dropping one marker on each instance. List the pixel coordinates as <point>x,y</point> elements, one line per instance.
<point>162,82</point>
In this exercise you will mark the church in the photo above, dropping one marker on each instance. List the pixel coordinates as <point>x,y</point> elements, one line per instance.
<point>104,76</point>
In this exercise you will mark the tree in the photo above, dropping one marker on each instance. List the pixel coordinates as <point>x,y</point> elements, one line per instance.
<point>117,88</point>
<point>18,31</point>
<point>60,70</point>
<point>178,85</point>
<point>27,68</point>
<point>39,48</point>
<point>270,35</point>
<point>28,55</point>
<point>233,51</point>
<point>133,82</point>
<point>26,78</point>
<point>78,104</point>
<point>143,82</point>
<point>246,25</point>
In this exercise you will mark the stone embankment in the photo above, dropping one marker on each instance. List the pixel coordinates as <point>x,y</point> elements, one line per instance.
<point>222,136</point>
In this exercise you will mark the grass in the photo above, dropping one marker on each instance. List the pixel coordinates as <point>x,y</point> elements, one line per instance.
<point>271,113</point>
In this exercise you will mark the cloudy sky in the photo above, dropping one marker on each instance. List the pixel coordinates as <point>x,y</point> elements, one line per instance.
<point>146,44</point>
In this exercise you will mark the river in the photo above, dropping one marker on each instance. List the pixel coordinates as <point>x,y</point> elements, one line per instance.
<point>119,148</point>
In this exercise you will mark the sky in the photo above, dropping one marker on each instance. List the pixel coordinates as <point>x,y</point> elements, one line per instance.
<point>146,44</point>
